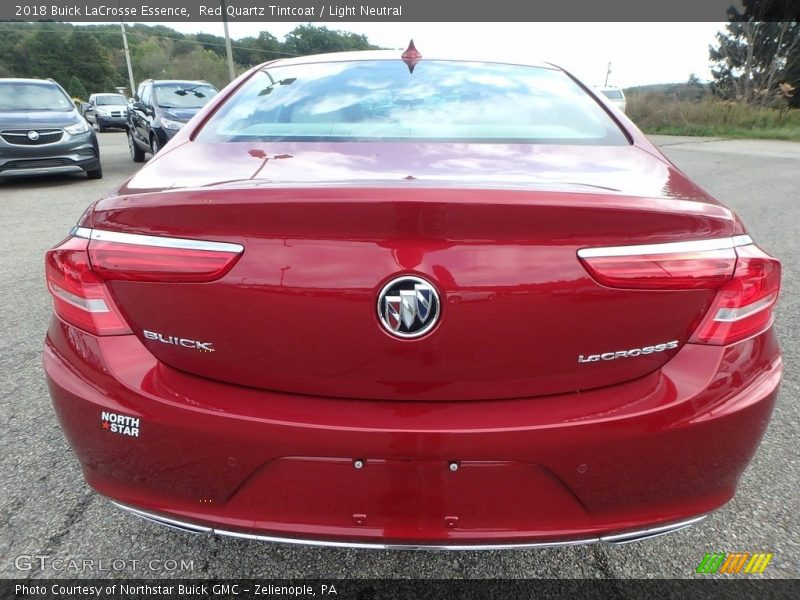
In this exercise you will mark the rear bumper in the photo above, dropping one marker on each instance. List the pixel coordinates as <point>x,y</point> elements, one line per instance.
<point>121,122</point>
<point>72,155</point>
<point>574,468</point>
<point>46,167</point>
<point>624,538</point>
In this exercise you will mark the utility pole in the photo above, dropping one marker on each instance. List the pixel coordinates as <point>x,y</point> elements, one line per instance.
<point>128,58</point>
<point>228,50</point>
<point>608,72</point>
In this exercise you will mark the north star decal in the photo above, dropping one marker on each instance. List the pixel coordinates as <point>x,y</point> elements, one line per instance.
<point>632,353</point>
<point>178,341</point>
<point>121,424</point>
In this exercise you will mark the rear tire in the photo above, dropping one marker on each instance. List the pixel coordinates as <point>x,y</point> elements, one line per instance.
<point>100,127</point>
<point>96,174</point>
<point>137,154</point>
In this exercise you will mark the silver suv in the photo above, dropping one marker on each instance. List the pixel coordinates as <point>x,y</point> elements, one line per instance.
<point>42,133</point>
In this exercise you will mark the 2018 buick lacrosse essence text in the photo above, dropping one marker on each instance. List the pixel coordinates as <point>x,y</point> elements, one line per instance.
<point>377,300</point>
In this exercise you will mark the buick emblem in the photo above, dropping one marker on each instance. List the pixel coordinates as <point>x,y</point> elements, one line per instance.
<point>33,135</point>
<point>408,307</point>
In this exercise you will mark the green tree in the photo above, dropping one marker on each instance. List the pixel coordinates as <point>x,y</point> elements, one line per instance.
<point>91,56</point>
<point>10,42</point>
<point>150,58</point>
<point>256,50</point>
<point>44,54</point>
<point>759,50</point>
<point>214,43</point>
<point>89,62</point>
<point>76,89</point>
<point>199,64</point>
<point>310,39</point>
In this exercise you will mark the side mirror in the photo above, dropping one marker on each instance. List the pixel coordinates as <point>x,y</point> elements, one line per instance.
<point>139,105</point>
<point>85,106</point>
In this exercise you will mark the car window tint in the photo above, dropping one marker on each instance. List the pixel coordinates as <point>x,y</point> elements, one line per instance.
<point>33,96</point>
<point>438,101</point>
<point>147,99</point>
<point>184,95</point>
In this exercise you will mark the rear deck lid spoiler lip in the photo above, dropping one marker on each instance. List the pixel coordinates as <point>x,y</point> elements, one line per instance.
<point>156,241</point>
<point>594,252</point>
<point>668,247</point>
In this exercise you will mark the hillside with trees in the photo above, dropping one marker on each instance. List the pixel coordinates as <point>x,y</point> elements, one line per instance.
<point>756,59</point>
<point>90,58</point>
<point>755,90</point>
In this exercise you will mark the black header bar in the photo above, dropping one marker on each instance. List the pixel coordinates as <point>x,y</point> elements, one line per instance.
<point>342,11</point>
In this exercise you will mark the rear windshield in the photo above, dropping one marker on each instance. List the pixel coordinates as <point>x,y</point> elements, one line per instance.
<point>435,101</point>
<point>111,100</point>
<point>15,96</point>
<point>184,95</point>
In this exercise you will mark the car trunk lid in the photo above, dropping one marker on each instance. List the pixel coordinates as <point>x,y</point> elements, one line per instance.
<point>298,310</point>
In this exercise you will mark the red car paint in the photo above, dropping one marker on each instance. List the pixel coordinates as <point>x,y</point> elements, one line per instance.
<point>258,381</point>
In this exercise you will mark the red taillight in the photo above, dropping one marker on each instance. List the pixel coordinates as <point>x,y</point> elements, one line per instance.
<point>130,262</point>
<point>78,268</point>
<point>747,280</point>
<point>674,271</point>
<point>134,257</point>
<point>79,296</point>
<point>743,306</point>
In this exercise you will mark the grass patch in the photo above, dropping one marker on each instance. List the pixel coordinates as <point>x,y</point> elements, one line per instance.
<point>655,113</point>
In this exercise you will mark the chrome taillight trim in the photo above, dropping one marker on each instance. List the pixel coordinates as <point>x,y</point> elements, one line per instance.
<point>137,239</point>
<point>621,538</point>
<point>667,248</point>
<point>81,232</point>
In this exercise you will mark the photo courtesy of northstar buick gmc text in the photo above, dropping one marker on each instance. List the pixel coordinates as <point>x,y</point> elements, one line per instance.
<point>381,299</point>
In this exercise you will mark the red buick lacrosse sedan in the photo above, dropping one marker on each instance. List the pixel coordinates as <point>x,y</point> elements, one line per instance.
<point>377,300</point>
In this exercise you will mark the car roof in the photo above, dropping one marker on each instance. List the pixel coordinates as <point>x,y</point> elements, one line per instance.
<point>170,81</point>
<point>27,80</point>
<point>363,55</point>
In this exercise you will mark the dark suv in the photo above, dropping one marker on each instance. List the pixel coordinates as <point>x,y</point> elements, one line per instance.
<point>106,110</point>
<point>160,109</point>
<point>42,133</point>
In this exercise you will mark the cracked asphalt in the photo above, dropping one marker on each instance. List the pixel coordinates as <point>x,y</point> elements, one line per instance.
<point>47,510</point>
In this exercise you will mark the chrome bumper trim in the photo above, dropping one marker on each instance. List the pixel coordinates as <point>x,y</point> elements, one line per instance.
<point>622,538</point>
<point>379,546</point>
<point>174,524</point>
<point>646,534</point>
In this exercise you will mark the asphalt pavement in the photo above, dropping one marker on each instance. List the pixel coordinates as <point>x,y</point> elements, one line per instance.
<point>47,510</point>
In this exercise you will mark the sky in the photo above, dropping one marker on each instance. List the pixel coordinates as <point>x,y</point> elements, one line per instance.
<point>639,53</point>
